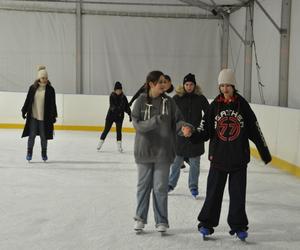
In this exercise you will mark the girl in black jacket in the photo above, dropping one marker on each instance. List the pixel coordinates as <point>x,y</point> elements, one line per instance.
<point>40,113</point>
<point>229,124</point>
<point>118,104</point>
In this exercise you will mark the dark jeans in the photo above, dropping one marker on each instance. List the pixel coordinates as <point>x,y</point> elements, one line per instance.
<point>36,127</point>
<point>210,212</point>
<point>108,125</point>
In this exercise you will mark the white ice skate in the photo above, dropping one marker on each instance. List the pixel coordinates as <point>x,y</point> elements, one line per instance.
<point>119,145</point>
<point>100,144</point>
<point>161,229</point>
<point>139,226</point>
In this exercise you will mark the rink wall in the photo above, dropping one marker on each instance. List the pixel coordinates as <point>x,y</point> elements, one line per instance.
<point>280,126</point>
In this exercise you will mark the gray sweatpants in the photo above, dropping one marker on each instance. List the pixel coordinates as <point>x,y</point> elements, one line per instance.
<point>153,177</point>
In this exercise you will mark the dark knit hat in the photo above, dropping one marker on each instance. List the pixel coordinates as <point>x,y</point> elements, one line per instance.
<point>189,78</point>
<point>118,85</point>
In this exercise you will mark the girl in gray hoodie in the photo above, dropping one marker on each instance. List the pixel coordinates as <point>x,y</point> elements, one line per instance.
<point>156,119</point>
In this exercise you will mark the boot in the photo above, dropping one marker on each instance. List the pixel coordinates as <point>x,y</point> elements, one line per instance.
<point>119,144</point>
<point>100,144</point>
<point>44,154</point>
<point>29,154</point>
<point>139,225</point>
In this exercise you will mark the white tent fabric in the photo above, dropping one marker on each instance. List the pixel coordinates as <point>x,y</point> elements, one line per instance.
<point>125,49</point>
<point>29,39</point>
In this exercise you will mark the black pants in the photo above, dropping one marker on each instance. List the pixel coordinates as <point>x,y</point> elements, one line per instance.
<point>108,125</point>
<point>210,212</point>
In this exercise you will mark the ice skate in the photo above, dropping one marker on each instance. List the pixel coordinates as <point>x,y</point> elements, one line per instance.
<point>162,229</point>
<point>242,235</point>
<point>29,155</point>
<point>194,193</point>
<point>44,155</point>
<point>170,188</point>
<point>139,226</point>
<point>119,145</point>
<point>100,144</point>
<point>205,232</point>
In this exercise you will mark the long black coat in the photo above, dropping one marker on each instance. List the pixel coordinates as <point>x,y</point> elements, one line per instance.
<point>191,106</point>
<point>50,111</point>
<point>118,104</point>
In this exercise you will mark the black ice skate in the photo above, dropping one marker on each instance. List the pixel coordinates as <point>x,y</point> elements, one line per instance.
<point>44,155</point>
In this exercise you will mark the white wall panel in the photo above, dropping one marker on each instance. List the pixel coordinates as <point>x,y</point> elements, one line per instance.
<point>236,47</point>
<point>294,79</point>
<point>29,39</point>
<point>280,126</point>
<point>126,49</point>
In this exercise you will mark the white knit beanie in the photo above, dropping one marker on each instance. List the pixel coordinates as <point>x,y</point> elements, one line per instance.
<point>42,72</point>
<point>226,76</point>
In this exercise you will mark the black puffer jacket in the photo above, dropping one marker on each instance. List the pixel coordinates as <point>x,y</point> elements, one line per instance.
<point>229,126</point>
<point>191,106</point>
<point>118,104</point>
<point>50,111</point>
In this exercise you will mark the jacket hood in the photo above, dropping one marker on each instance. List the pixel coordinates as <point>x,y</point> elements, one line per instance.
<point>180,90</point>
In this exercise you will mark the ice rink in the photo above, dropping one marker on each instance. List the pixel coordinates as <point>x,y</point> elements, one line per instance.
<point>84,199</point>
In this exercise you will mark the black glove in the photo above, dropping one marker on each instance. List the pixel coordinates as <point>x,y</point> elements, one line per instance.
<point>54,120</point>
<point>130,119</point>
<point>24,115</point>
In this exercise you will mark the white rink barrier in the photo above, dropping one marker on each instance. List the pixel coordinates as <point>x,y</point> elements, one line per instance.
<point>280,126</point>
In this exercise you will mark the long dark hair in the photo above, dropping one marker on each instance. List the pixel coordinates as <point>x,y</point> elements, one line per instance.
<point>153,76</point>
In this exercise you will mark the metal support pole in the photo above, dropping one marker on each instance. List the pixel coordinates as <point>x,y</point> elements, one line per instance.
<point>225,39</point>
<point>79,84</point>
<point>248,51</point>
<point>284,52</point>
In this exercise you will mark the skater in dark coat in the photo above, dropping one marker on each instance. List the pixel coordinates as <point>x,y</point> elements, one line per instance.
<point>40,113</point>
<point>228,124</point>
<point>118,104</point>
<point>191,103</point>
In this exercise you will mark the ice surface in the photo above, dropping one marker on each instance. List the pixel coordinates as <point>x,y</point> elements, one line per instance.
<point>84,199</point>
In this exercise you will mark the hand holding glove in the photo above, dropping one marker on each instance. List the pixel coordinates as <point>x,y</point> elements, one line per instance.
<point>24,115</point>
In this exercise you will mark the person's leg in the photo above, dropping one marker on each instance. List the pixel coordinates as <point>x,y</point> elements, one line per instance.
<point>44,141</point>
<point>210,213</point>
<point>194,163</point>
<point>119,130</point>
<point>160,193</point>
<point>108,125</point>
<point>119,136</point>
<point>175,171</point>
<point>31,139</point>
<point>237,217</point>
<point>144,187</point>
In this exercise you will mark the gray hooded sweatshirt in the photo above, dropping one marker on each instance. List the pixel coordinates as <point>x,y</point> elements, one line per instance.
<point>156,126</point>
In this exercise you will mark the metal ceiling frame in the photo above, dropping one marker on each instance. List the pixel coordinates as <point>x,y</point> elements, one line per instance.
<point>213,11</point>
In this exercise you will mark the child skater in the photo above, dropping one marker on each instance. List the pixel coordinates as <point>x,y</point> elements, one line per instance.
<point>118,104</point>
<point>40,113</point>
<point>228,124</point>
<point>156,119</point>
